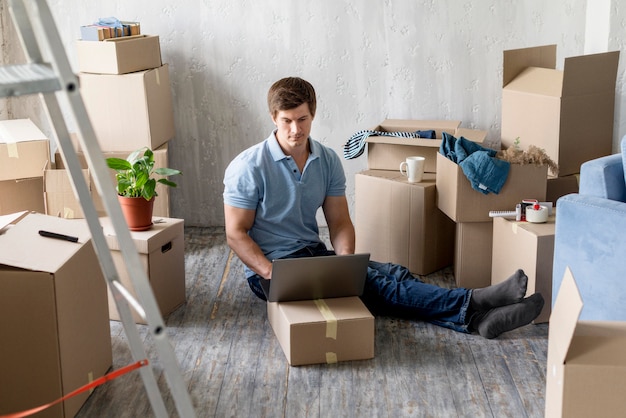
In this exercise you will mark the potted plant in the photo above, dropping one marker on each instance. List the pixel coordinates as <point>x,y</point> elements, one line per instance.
<point>136,186</point>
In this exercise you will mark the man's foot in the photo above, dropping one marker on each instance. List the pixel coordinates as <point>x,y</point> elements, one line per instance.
<point>510,291</point>
<point>494,322</point>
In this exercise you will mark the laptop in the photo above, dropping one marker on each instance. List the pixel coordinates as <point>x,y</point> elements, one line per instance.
<point>307,278</point>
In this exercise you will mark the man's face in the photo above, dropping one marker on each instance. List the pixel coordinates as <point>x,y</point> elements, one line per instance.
<point>294,127</point>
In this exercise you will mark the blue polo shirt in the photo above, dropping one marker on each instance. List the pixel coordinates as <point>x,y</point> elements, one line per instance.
<point>264,179</point>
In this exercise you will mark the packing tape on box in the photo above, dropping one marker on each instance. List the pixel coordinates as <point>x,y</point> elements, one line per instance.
<point>331,320</point>
<point>331,358</point>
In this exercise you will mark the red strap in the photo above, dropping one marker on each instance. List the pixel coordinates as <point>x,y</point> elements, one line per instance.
<point>110,376</point>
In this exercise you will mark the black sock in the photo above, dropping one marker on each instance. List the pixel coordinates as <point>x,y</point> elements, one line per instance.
<point>510,291</point>
<point>494,322</point>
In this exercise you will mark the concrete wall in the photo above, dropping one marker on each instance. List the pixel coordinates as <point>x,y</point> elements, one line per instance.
<point>369,60</point>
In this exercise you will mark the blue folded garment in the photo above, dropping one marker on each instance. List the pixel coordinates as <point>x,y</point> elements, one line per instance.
<point>486,173</point>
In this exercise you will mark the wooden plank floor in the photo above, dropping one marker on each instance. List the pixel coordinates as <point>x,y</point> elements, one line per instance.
<point>235,368</point>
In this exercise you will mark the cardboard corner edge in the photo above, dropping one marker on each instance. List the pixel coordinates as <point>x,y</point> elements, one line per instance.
<point>563,319</point>
<point>11,218</point>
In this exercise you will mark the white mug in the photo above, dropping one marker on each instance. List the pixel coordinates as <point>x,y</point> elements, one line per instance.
<point>413,168</point>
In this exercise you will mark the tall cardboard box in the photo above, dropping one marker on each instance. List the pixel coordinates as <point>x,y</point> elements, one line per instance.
<point>119,55</point>
<point>399,222</point>
<point>387,152</point>
<point>323,330</point>
<point>130,111</point>
<point>527,246</point>
<point>472,254</point>
<point>569,113</point>
<point>586,370</point>
<point>161,158</point>
<point>53,316</point>
<point>24,150</point>
<point>162,254</point>
<point>457,199</point>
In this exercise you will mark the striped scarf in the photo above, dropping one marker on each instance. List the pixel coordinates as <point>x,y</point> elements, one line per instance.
<point>356,144</point>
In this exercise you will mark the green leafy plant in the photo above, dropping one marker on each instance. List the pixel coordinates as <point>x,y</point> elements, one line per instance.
<point>135,174</point>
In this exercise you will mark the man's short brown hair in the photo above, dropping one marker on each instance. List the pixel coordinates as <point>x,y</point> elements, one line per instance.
<point>289,93</point>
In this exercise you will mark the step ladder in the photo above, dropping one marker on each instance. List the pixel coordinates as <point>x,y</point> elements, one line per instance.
<point>52,77</point>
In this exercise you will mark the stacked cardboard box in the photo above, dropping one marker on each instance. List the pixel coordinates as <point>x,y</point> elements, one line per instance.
<point>568,113</point>
<point>127,94</point>
<point>161,252</point>
<point>53,315</point>
<point>470,208</point>
<point>24,156</point>
<point>397,221</point>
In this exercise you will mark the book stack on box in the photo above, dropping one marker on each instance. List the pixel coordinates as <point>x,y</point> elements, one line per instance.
<point>110,27</point>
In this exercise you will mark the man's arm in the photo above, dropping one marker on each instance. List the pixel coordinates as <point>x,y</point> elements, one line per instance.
<point>238,223</point>
<point>339,224</point>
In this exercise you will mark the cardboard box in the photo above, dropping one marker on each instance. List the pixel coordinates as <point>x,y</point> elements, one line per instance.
<point>399,222</point>
<point>472,254</point>
<point>586,370</point>
<point>53,316</point>
<point>323,330</point>
<point>560,186</point>
<point>528,246</point>
<point>161,250</point>
<point>22,194</point>
<point>161,159</point>
<point>24,150</point>
<point>387,152</point>
<point>59,196</point>
<point>130,111</point>
<point>457,199</point>
<point>568,113</point>
<point>119,55</point>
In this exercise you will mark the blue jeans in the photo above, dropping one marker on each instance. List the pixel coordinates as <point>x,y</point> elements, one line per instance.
<point>391,290</point>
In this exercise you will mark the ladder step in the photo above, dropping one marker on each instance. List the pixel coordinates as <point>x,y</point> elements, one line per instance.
<point>23,79</point>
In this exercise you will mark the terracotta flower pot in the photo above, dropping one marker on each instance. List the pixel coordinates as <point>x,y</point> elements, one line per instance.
<point>137,212</point>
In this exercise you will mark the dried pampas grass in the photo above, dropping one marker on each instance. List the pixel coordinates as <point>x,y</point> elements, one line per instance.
<point>533,155</point>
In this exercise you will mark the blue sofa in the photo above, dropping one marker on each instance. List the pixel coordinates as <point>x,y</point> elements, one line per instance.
<point>590,238</point>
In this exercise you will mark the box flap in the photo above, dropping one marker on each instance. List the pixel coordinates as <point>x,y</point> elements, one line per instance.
<point>536,80</point>
<point>6,220</point>
<point>20,130</point>
<point>598,343</point>
<point>563,320</point>
<point>24,248</point>
<point>516,60</point>
<point>576,79</point>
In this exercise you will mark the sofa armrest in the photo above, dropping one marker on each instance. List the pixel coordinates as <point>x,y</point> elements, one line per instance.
<point>603,177</point>
<point>590,238</point>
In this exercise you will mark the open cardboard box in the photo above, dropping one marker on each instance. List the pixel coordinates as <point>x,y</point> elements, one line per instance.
<point>457,199</point>
<point>586,370</point>
<point>387,152</point>
<point>569,113</point>
<point>53,314</point>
